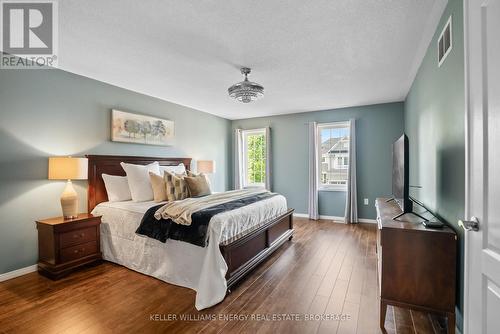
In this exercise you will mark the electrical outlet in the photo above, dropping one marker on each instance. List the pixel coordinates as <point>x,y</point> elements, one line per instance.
<point>367,201</point>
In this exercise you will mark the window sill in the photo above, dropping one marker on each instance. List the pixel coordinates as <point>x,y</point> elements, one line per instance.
<point>254,186</point>
<point>328,189</point>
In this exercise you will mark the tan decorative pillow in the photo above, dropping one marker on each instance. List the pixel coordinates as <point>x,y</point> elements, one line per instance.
<point>191,174</point>
<point>176,187</point>
<point>159,187</point>
<point>198,185</point>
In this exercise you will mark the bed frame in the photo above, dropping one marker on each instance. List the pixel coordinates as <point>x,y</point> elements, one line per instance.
<point>241,255</point>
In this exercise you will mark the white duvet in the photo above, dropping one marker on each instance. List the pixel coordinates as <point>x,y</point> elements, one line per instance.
<point>202,269</point>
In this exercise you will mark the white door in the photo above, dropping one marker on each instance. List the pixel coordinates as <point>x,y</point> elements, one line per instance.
<point>482,247</point>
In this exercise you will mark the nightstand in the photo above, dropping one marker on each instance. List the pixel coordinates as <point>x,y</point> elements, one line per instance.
<point>67,244</point>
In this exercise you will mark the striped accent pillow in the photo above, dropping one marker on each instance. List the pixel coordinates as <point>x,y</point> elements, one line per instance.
<point>176,186</point>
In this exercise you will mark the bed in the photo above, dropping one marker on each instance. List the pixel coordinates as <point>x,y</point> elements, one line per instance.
<point>212,270</point>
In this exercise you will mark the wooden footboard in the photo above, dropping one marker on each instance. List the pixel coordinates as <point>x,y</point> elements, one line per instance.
<point>243,254</point>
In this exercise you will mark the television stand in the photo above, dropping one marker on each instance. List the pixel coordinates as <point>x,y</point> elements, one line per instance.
<point>406,206</point>
<point>411,212</point>
<point>416,266</point>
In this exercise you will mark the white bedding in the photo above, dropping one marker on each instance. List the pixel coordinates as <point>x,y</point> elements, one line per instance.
<point>202,269</point>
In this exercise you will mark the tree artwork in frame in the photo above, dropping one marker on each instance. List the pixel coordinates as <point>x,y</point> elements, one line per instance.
<point>140,129</point>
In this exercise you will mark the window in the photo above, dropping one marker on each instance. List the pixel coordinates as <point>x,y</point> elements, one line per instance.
<point>333,142</point>
<point>342,162</point>
<point>254,158</point>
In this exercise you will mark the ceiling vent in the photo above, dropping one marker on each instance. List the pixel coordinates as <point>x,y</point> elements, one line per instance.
<point>444,43</point>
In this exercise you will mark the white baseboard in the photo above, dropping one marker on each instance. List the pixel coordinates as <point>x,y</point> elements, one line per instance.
<point>305,215</point>
<point>335,218</point>
<point>369,221</point>
<point>18,272</point>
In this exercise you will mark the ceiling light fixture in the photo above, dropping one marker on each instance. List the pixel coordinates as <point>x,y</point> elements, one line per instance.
<point>246,91</point>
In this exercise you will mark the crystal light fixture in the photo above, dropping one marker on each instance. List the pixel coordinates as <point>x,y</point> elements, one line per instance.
<point>246,91</point>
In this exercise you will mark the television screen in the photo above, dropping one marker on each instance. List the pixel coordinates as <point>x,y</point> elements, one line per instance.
<point>400,172</point>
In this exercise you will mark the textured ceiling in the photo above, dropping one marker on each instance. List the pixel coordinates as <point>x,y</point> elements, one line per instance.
<point>309,55</point>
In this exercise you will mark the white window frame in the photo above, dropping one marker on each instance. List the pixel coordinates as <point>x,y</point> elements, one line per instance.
<point>244,170</point>
<point>329,187</point>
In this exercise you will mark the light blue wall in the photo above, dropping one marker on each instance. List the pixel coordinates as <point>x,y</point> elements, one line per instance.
<point>377,126</point>
<point>434,121</point>
<point>52,112</point>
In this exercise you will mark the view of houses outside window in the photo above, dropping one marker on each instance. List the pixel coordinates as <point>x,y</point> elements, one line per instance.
<point>334,159</point>
<point>255,157</point>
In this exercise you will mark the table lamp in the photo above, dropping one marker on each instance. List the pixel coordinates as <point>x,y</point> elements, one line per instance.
<point>206,166</point>
<point>68,168</point>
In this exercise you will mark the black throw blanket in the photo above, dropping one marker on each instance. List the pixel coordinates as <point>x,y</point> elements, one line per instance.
<point>196,233</point>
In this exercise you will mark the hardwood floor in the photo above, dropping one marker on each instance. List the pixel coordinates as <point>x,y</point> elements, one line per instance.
<point>327,269</point>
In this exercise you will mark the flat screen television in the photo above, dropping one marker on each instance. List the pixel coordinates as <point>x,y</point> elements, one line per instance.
<point>401,173</point>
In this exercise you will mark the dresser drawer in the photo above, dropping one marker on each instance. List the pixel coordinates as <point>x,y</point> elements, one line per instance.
<point>78,251</point>
<point>77,237</point>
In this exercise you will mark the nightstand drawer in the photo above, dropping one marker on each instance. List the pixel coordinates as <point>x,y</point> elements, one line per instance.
<point>77,237</point>
<point>78,251</point>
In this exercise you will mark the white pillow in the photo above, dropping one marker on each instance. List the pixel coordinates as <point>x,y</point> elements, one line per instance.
<point>179,169</point>
<point>117,188</point>
<point>138,180</point>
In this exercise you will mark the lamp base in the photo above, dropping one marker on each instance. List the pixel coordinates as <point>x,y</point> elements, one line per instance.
<point>69,201</point>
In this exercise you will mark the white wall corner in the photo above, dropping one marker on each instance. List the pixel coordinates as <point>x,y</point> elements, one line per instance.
<point>429,30</point>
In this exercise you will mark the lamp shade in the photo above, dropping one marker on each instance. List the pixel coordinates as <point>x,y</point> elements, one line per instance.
<point>206,166</point>
<point>67,168</point>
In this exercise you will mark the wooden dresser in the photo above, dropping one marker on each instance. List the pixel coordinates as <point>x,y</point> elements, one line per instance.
<point>416,265</point>
<point>67,244</point>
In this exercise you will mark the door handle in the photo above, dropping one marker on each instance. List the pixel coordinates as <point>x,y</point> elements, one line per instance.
<point>469,225</point>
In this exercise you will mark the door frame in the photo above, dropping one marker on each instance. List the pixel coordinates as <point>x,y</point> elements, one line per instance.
<point>467,111</point>
<point>474,88</point>
<point>467,123</point>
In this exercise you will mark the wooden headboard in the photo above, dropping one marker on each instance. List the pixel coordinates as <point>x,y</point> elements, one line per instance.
<point>110,164</point>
